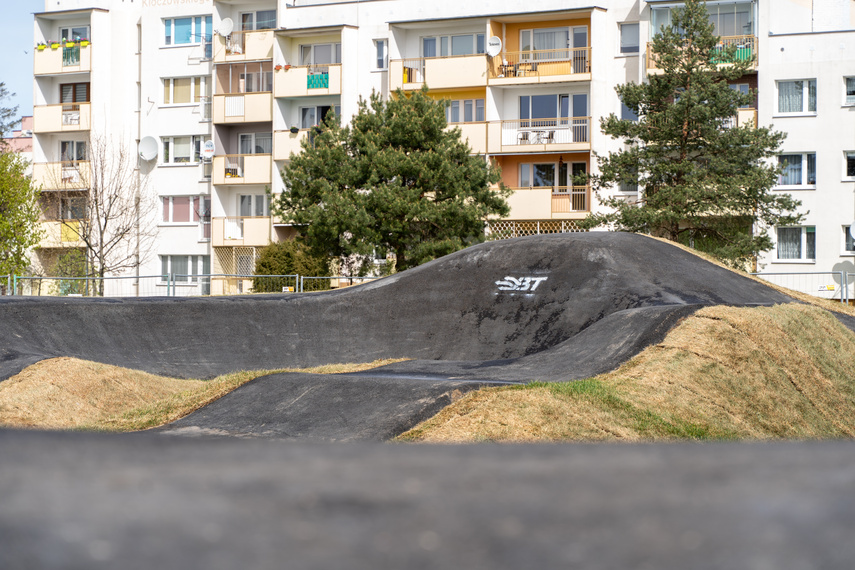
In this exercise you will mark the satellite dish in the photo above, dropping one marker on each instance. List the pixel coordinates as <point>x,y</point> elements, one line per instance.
<point>494,46</point>
<point>208,150</point>
<point>852,230</point>
<point>148,148</point>
<point>227,26</point>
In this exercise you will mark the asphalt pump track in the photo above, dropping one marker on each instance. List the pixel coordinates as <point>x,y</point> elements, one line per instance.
<point>546,308</point>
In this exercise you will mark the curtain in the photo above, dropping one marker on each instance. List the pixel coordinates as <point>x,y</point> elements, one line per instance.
<point>790,97</point>
<point>812,96</point>
<point>789,243</point>
<point>263,143</point>
<point>791,169</point>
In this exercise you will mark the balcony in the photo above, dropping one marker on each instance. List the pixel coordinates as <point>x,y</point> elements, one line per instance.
<point>237,169</point>
<point>743,118</point>
<point>538,203</point>
<point>473,133</point>
<point>243,46</point>
<point>242,231</point>
<point>286,142</point>
<point>541,66</point>
<point>60,234</point>
<point>438,72</point>
<point>50,61</point>
<point>243,108</point>
<point>540,135</point>
<point>68,117</point>
<point>746,50</point>
<point>66,175</point>
<point>307,80</point>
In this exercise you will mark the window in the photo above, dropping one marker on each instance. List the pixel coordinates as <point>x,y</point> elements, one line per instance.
<point>311,116</point>
<point>72,151</point>
<point>849,165</point>
<point>728,18</point>
<point>797,169</point>
<point>552,107</point>
<point>75,33</point>
<point>797,96</point>
<point>465,111</point>
<point>629,38</point>
<point>253,205</point>
<point>184,90</point>
<point>184,268</point>
<point>797,243</point>
<point>183,150</point>
<point>261,20</point>
<point>848,242</point>
<point>444,46</point>
<point>743,89</point>
<point>626,113</point>
<point>256,143</point>
<point>320,54</point>
<point>551,174</point>
<point>849,86</point>
<point>380,49</point>
<point>74,93</point>
<point>72,208</point>
<point>185,209</point>
<point>193,30</point>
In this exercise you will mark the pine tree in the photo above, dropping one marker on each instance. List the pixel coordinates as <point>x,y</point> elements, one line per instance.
<point>393,180</point>
<point>703,181</point>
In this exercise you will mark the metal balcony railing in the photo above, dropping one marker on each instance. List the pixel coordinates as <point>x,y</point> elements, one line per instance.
<point>563,130</point>
<point>540,63</point>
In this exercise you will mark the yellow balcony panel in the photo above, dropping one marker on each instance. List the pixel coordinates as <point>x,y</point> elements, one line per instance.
<point>60,233</point>
<point>746,50</point>
<point>307,80</point>
<point>473,133</point>
<point>243,108</point>
<point>286,142</point>
<point>68,117</point>
<point>77,59</point>
<point>68,175</point>
<point>242,231</point>
<point>237,169</point>
<point>454,72</point>
<point>543,66</point>
<point>243,46</point>
<point>540,135</point>
<point>550,202</point>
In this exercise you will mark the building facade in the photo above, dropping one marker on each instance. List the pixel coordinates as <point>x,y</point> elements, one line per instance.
<point>226,90</point>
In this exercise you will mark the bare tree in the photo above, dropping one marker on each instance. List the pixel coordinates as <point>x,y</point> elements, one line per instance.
<point>111,216</point>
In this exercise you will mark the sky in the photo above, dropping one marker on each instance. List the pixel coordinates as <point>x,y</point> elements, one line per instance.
<point>16,65</point>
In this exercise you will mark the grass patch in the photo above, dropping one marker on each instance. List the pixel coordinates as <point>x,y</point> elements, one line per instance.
<point>67,393</point>
<point>783,372</point>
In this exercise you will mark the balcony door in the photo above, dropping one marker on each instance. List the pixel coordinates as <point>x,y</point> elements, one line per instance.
<point>256,143</point>
<point>72,151</point>
<point>75,34</point>
<point>252,205</point>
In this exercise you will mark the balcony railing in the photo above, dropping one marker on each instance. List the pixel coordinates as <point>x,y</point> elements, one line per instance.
<point>544,201</point>
<point>538,64</point>
<point>743,118</point>
<point>242,169</point>
<point>307,80</point>
<point>60,234</point>
<point>242,231</point>
<point>75,59</point>
<point>65,175</point>
<point>244,46</point>
<point>746,50</point>
<point>63,117</point>
<point>439,72</point>
<point>243,107</point>
<point>565,130</point>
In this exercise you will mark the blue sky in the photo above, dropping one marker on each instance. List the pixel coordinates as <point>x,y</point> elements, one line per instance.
<point>16,66</point>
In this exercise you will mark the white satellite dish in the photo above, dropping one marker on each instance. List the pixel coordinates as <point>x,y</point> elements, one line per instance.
<point>494,46</point>
<point>852,229</point>
<point>148,148</point>
<point>227,26</point>
<point>208,150</point>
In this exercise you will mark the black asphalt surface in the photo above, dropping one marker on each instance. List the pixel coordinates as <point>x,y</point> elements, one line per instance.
<point>246,483</point>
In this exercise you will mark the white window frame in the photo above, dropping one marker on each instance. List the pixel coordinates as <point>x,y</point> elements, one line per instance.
<point>381,54</point>
<point>444,43</point>
<point>74,37</point>
<point>201,26</point>
<point>805,110</point>
<point>254,14</point>
<point>253,142</point>
<point>621,51</point>
<point>335,107</point>
<point>167,145</point>
<point>805,184</point>
<point>846,154</point>
<point>195,263</point>
<point>335,49</point>
<point>195,98</point>
<point>803,247</point>
<point>847,239</point>
<point>253,205</point>
<point>848,100</point>
<point>197,204</point>
<point>461,106</point>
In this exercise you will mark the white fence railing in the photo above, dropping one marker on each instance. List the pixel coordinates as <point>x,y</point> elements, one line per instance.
<point>833,285</point>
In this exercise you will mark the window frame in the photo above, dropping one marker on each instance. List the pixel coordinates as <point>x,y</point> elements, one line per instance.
<point>621,52</point>
<point>195,97</point>
<point>846,97</point>
<point>805,179</point>
<point>254,14</point>
<point>803,245</point>
<point>335,107</point>
<point>168,152</point>
<point>381,54</point>
<point>335,50</point>
<point>805,110</point>
<point>847,239</point>
<point>461,106</point>
<point>444,44</point>
<point>195,263</point>
<point>201,36</point>
<point>197,204</point>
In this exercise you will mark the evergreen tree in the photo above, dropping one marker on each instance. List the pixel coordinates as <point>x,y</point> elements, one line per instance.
<point>395,180</point>
<point>288,257</point>
<point>703,181</point>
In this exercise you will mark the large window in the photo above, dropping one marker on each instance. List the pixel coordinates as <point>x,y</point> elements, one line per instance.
<point>536,108</point>
<point>797,243</point>
<point>260,20</point>
<point>74,33</point>
<point>797,96</point>
<point>192,30</point>
<point>253,205</point>
<point>444,46</point>
<point>465,111</point>
<point>72,151</point>
<point>797,169</point>
<point>72,208</point>
<point>629,38</point>
<point>74,93</point>
<point>183,150</point>
<point>320,54</point>
<point>728,18</point>
<point>550,174</point>
<point>182,90</point>
<point>185,209</point>
<point>184,268</point>
<point>256,143</point>
<point>314,115</point>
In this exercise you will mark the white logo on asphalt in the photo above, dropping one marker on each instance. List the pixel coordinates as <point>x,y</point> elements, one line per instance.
<point>520,284</point>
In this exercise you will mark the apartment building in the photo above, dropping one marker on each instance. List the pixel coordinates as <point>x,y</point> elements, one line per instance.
<point>243,82</point>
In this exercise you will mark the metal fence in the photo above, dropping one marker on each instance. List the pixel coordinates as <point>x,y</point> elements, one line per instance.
<point>833,285</point>
<point>170,285</point>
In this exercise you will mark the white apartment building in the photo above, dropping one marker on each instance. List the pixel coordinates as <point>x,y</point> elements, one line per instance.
<point>528,85</point>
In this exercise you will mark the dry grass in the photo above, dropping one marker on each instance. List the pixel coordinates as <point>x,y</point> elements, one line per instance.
<point>66,393</point>
<point>724,373</point>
